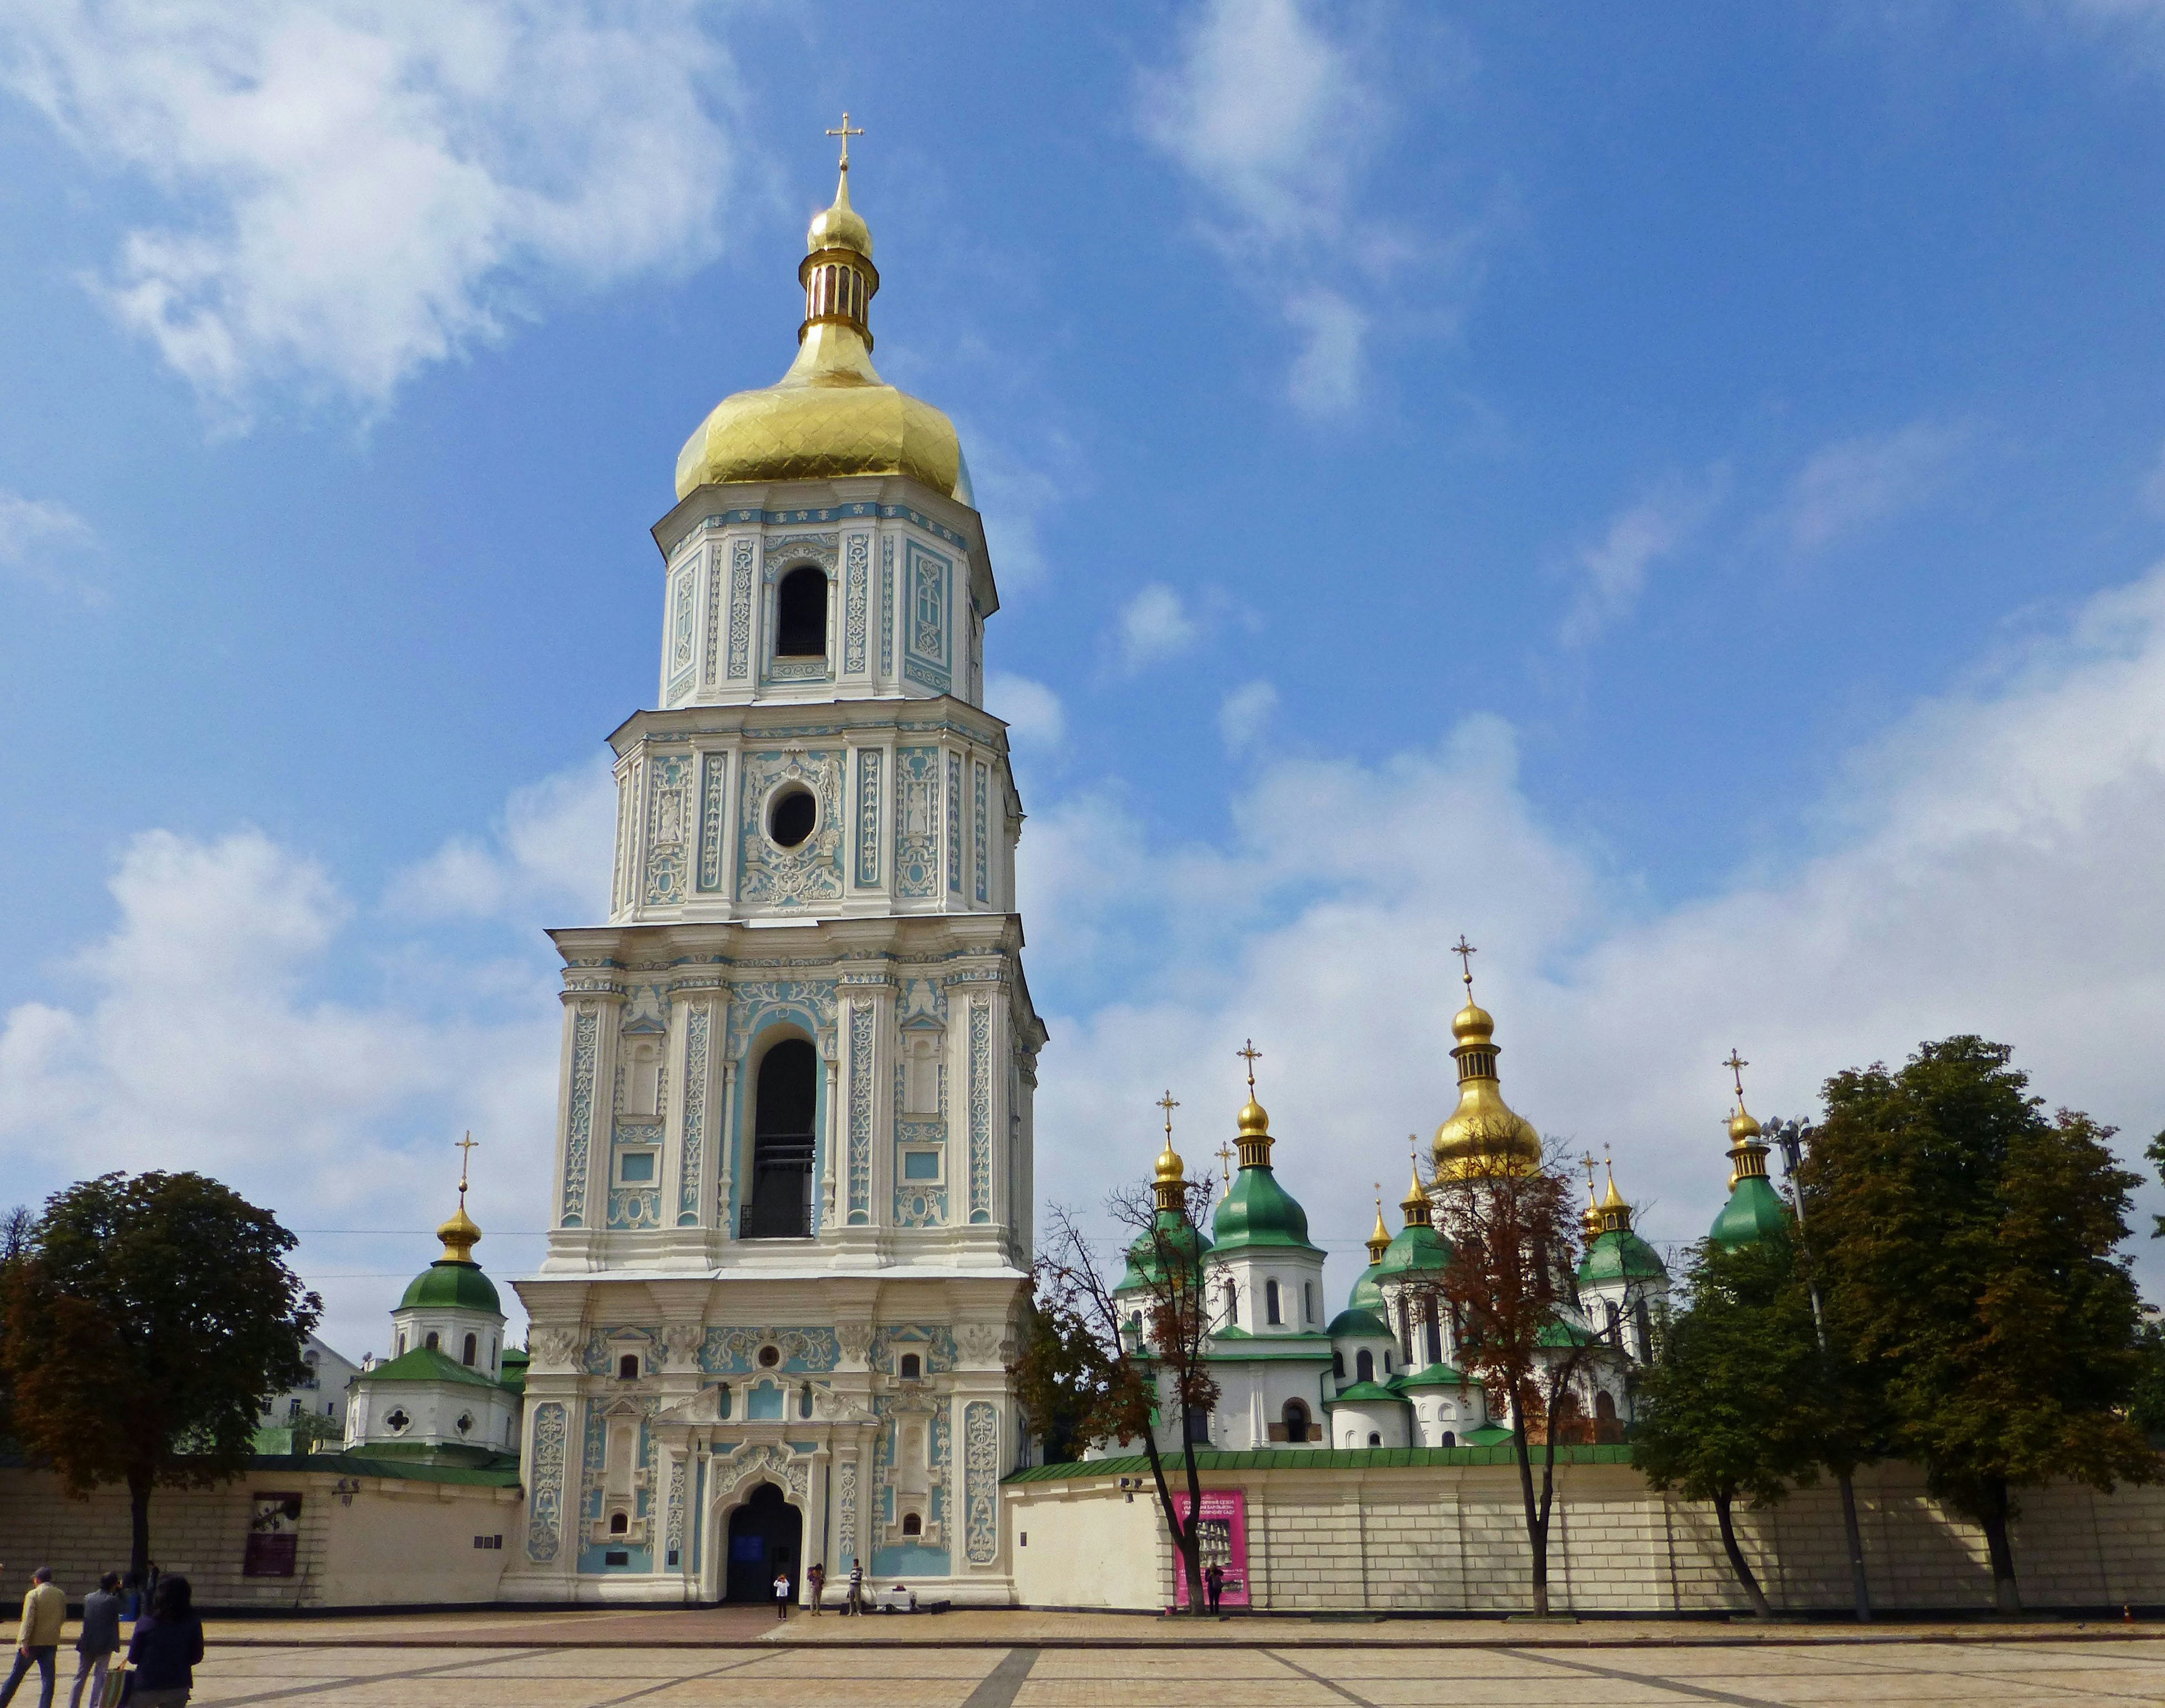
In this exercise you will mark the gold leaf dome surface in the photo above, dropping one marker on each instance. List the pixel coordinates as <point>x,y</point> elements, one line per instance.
<point>831,415</point>
<point>1484,1131</point>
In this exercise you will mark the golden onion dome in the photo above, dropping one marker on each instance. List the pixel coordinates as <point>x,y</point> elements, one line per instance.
<point>459,1235</point>
<point>1254,1119</point>
<point>1472,1021</point>
<point>831,415</point>
<point>1170,1171</point>
<point>1742,1127</point>
<point>1484,1130</point>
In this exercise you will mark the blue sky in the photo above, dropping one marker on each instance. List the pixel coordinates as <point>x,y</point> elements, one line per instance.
<point>1675,496</point>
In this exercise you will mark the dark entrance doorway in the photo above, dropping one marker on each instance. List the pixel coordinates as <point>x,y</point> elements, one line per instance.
<point>766,1536</point>
<point>787,1100</point>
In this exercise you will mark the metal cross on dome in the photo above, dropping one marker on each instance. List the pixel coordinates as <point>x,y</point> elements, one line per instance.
<point>467,1146</point>
<point>1465,952</point>
<point>1736,1064</point>
<point>1252,1053</point>
<point>1168,1105</point>
<point>845,133</point>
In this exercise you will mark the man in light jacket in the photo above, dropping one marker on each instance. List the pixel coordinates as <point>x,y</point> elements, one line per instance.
<point>101,1636</point>
<point>44,1611</point>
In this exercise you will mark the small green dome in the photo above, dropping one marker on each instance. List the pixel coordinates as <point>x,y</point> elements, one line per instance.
<point>1257,1211</point>
<point>1366,1295</point>
<point>1621,1255</point>
<point>1181,1233</point>
<point>1414,1247</point>
<point>446,1283</point>
<point>1358,1326</point>
<point>1755,1212</point>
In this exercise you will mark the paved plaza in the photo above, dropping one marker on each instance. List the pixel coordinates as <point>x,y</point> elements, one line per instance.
<point>600,1659</point>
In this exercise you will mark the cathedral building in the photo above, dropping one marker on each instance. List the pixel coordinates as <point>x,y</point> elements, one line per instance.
<point>790,1210</point>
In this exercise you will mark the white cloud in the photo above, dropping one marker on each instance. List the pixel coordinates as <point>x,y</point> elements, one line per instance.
<point>1990,865</point>
<point>1849,485</point>
<point>1244,713</point>
<point>551,851</point>
<point>1035,715</point>
<point>349,191</point>
<point>1327,375</point>
<point>1614,568</point>
<point>1155,625</point>
<point>44,541</point>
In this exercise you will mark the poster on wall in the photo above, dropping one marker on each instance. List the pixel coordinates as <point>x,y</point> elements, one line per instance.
<point>1222,1533</point>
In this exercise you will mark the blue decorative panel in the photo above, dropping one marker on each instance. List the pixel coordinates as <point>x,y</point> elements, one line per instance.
<point>981,1112</point>
<point>695,1115</point>
<point>860,1114</point>
<point>714,813</point>
<point>734,1351</point>
<point>668,827</point>
<point>545,1502</point>
<point>981,1476</point>
<point>926,657</point>
<point>740,612</point>
<point>978,790</point>
<point>955,823</point>
<point>887,611</point>
<point>579,1121</point>
<point>768,874</point>
<point>916,822</point>
<point>857,595</point>
<point>868,816</point>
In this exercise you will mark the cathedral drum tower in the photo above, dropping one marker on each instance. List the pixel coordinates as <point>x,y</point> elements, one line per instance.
<point>790,1218</point>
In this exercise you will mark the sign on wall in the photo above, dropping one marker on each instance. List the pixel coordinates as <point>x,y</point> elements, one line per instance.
<point>1222,1533</point>
<point>273,1548</point>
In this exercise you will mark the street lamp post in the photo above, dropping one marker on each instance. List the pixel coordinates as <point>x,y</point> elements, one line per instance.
<point>1792,1138</point>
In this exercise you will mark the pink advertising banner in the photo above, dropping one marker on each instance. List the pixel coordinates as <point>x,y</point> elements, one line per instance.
<point>1222,1531</point>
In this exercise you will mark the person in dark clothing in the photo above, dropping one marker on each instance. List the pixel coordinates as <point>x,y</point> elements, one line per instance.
<point>166,1646</point>
<point>101,1636</point>
<point>1214,1584</point>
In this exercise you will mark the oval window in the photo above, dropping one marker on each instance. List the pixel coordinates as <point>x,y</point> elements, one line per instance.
<point>790,819</point>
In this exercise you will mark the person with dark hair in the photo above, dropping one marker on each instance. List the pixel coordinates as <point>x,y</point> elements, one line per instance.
<point>44,1611</point>
<point>101,1636</point>
<point>166,1646</point>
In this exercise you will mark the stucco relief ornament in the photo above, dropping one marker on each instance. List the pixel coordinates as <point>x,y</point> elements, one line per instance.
<point>981,1342</point>
<point>855,1339</point>
<point>831,1407</point>
<point>681,1342</point>
<point>554,1349</point>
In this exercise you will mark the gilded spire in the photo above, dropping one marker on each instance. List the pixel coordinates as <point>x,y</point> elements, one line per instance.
<point>1615,1213</point>
<point>1170,1178</point>
<point>1747,1150</point>
<point>1254,1140</point>
<point>837,272</point>
<point>1379,1236</point>
<point>1414,1205</point>
<point>1590,1217</point>
<point>459,1235</point>
<point>1483,1129</point>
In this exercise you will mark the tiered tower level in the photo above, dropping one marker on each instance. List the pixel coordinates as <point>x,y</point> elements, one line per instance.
<point>790,1210</point>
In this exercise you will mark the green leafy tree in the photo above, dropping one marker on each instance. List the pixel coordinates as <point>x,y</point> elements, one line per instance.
<point>1063,1380</point>
<point>1735,1402</point>
<point>145,1320</point>
<point>2146,1406</point>
<point>1967,1242</point>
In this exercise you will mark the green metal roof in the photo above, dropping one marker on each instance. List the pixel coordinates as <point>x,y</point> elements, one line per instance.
<point>1563,1334</point>
<point>1360,1325</point>
<point>1621,1255</point>
<point>1364,1392</point>
<point>1414,1248</point>
<point>1435,1376</point>
<point>1142,1255</point>
<point>1257,1211</point>
<point>1366,1295</point>
<point>1755,1211</point>
<point>1320,1458</point>
<point>427,1364</point>
<point>499,1471</point>
<point>448,1282</point>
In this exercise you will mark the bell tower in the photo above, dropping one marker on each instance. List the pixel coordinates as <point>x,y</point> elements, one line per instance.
<point>793,1136</point>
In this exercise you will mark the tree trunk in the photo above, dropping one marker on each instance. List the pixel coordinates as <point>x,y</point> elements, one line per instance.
<point>1859,1585</point>
<point>1994,1518</point>
<point>1536,1530</point>
<point>1737,1564</point>
<point>1191,1546</point>
<point>139,1526</point>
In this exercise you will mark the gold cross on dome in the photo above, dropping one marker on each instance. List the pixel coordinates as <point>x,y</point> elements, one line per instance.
<point>1168,1105</point>
<point>1465,952</point>
<point>845,133</point>
<point>1587,1162</point>
<point>1250,1052</point>
<point>1736,1064</point>
<point>1225,1154</point>
<point>467,1146</point>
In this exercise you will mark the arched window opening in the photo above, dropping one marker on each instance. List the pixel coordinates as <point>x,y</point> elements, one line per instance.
<point>1232,1304</point>
<point>1296,1420</point>
<point>1386,1363</point>
<point>1199,1425</point>
<point>1435,1335</point>
<point>1605,1407</point>
<point>473,1350</point>
<point>402,1345</point>
<point>1642,1330</point>
<point>1308,1301</point>
<point>1450,1439</point>
<point>792,818</point>
<point>492,1355</point>
<point>1271,1302</point>
<point>1338,1365</point>
<point>627,1368</point>
<point>430,1343</point>
<point>800,613</point>
<point>1613,1316</point>
<point>804,1400</point>
<point>619,1524</point>
<point>1364,1365</point>
<point>781,1207</point>
<point>722,1400</point>
<point>912,1525</point>
<point>1374,1439</point>
<point>913,1368</point>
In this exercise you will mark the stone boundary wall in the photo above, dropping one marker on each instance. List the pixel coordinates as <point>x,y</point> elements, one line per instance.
<point>397,1542</point>
<point>1453,1539</point>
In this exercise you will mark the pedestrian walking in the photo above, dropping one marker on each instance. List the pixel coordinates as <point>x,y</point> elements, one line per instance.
<point>1214,1584</point>
<point>856,1604</point>
<point>99,1640</point>
<point>44,1611</point>
<point>165,1646</point>
<point>782,1594</point>
<point>816,1586</point>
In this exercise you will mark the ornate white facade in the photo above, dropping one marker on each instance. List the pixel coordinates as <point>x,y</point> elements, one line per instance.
<point>791,1227</point>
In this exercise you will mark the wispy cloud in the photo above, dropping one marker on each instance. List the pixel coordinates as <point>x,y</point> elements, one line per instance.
<point>1854,484</point>
<point>1612,571</point>
<point>46,542</point>
<point>350,192</point>
<point>1033,713</point>
<point>1245,714</point>
<point>1155,625</point>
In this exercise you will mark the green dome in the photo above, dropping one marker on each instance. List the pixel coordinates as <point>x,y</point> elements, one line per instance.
<point>1415,1247</point>
<point>1366,1295</point>
<point>1257,1211</point>
<point>1358,1326</point>
<point>1755,1212</point>
<point>1621,1255</point>
<point>449,1284</point>
<point>1142,1256</point>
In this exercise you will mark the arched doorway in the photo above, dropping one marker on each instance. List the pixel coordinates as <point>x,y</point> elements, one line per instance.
<point>766,1536</point>
<point>785,1103</point>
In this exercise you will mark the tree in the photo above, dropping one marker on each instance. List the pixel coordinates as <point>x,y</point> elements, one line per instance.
<point>145,1321</point>
<point>1967,1241</point>
<point>1735,1401</point>
<point>1063,1383</point>
<point>15,1228</point>
<point>1514,1232</point>
<point>1122,1370</point>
